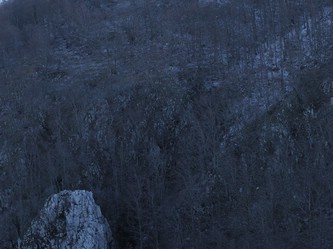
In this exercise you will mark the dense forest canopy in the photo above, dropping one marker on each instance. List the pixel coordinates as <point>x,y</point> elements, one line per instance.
<point>196,124</point>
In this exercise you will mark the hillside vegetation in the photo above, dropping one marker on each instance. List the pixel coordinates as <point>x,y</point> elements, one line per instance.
<point>196,124</point>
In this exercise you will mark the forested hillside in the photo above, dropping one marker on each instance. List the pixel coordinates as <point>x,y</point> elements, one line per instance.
<point>196,124</point>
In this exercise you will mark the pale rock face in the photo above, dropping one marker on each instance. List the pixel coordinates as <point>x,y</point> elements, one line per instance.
<point>69,219</point>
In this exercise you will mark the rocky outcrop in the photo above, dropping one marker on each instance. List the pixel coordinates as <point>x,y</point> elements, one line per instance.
<point>69,219</point>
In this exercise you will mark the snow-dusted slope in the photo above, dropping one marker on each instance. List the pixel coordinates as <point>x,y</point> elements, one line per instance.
<point>275,69</point>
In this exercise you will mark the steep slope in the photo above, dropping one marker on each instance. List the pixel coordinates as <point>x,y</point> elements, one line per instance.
<point>180,117</point>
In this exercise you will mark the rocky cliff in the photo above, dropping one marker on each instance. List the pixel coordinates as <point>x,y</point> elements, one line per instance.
<point>69,219</point>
